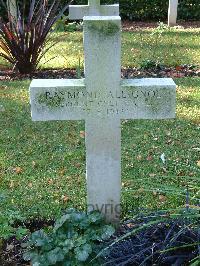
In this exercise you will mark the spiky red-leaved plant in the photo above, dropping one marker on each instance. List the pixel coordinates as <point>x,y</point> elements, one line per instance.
<point>23,42</point>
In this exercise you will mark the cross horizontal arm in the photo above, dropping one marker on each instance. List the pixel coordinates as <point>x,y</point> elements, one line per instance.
<point>79,11</point>
<point>70,100</point>
<point>56,99</point>
<point>148,98</point>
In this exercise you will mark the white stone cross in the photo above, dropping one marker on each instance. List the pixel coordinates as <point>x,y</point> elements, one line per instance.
<point>172,12</point>
<point>94,8</point>
<point>102,99</point>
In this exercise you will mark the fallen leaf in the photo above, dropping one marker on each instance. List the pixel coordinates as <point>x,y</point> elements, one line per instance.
<point>181,173</point>
<point>155,193</point>
<point>78,165</point>
<point>152,175</point>
<point>12,184</point>
<point>62,172</point>
<point>30,185</point>
<point>82,134</point>
<point>162,198</point>
<point>179,68</point>
<point>168,133</point>
<point>33,164</point>
<point>18,170</point>
<point>198,163</point>
<point>162,157</point>
<point>50,181</point>
<point>140,190</point>
<point>164,170</point>
<point>65,198</point>
<point>150,158</point>
<point>169,141</point>
<point>139,157</point>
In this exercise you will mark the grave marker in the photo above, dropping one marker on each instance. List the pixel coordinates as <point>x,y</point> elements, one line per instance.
<point>94,8</point>
<point>172,12</point>
<point>102,99</point>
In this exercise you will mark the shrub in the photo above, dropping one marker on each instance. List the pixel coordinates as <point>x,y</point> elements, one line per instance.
<point>24,42</point>
<point>153,9</point>
<point>7,225</point>
<point>74,241</point>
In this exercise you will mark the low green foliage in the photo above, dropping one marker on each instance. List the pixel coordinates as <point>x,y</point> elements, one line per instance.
<point>75,239</point>
<point>7,225</point>
<point>63,24</point>
<point>148,64</point>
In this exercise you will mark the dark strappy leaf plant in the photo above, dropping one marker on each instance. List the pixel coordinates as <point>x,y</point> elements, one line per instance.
<point>25,40</point>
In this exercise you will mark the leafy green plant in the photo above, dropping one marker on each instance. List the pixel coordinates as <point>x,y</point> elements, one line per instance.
<point>24,42</point>
<point>154,42</point>
<point>60,24</point>
<point>64,25</point>
<point>75,239</point>
<point>8,228</point>
<point>148,64</point>
<point>74,26</point>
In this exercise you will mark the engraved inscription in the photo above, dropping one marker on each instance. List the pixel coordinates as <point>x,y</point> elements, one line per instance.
<point>106,102</point>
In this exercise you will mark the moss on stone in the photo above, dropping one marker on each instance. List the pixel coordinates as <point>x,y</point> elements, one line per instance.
<point>106,28</point>
<point>51,103</point>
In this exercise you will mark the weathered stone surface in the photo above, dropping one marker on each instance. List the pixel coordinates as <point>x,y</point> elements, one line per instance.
<point>172,12</point>
<point>102,99</point>
<point>92,9</point>
<point>148,98</point>
<point>102,42</point>
<point>134,99</point>
<point>53,99</point>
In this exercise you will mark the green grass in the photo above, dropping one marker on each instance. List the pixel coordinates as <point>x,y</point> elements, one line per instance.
<point>42,164</point>
<point>173,47</point>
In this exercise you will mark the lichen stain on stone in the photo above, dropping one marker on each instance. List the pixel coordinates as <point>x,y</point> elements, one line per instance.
<point>106,28</point>
<point>51,103</point>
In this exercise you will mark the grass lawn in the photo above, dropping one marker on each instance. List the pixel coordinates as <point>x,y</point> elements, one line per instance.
<point>42,165</point>
<point>173,47</point>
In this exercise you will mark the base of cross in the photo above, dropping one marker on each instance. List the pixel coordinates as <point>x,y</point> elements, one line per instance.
<point>102,99</point>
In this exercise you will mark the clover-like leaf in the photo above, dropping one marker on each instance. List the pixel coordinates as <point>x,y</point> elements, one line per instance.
<point>83,252</point>
<point>55,255</point>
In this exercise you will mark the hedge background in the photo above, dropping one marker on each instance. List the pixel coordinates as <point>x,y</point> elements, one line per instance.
<point>145,10</point>
<point>154,9</point>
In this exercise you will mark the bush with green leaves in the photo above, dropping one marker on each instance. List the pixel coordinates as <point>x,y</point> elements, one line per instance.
<point>75,240</point>
<point>7,225</point>
<point>153,9</point>
<point>147,9</point>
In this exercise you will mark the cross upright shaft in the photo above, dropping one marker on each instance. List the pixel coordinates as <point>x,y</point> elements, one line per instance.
<point>103,138</point>
<point>95,3</point>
